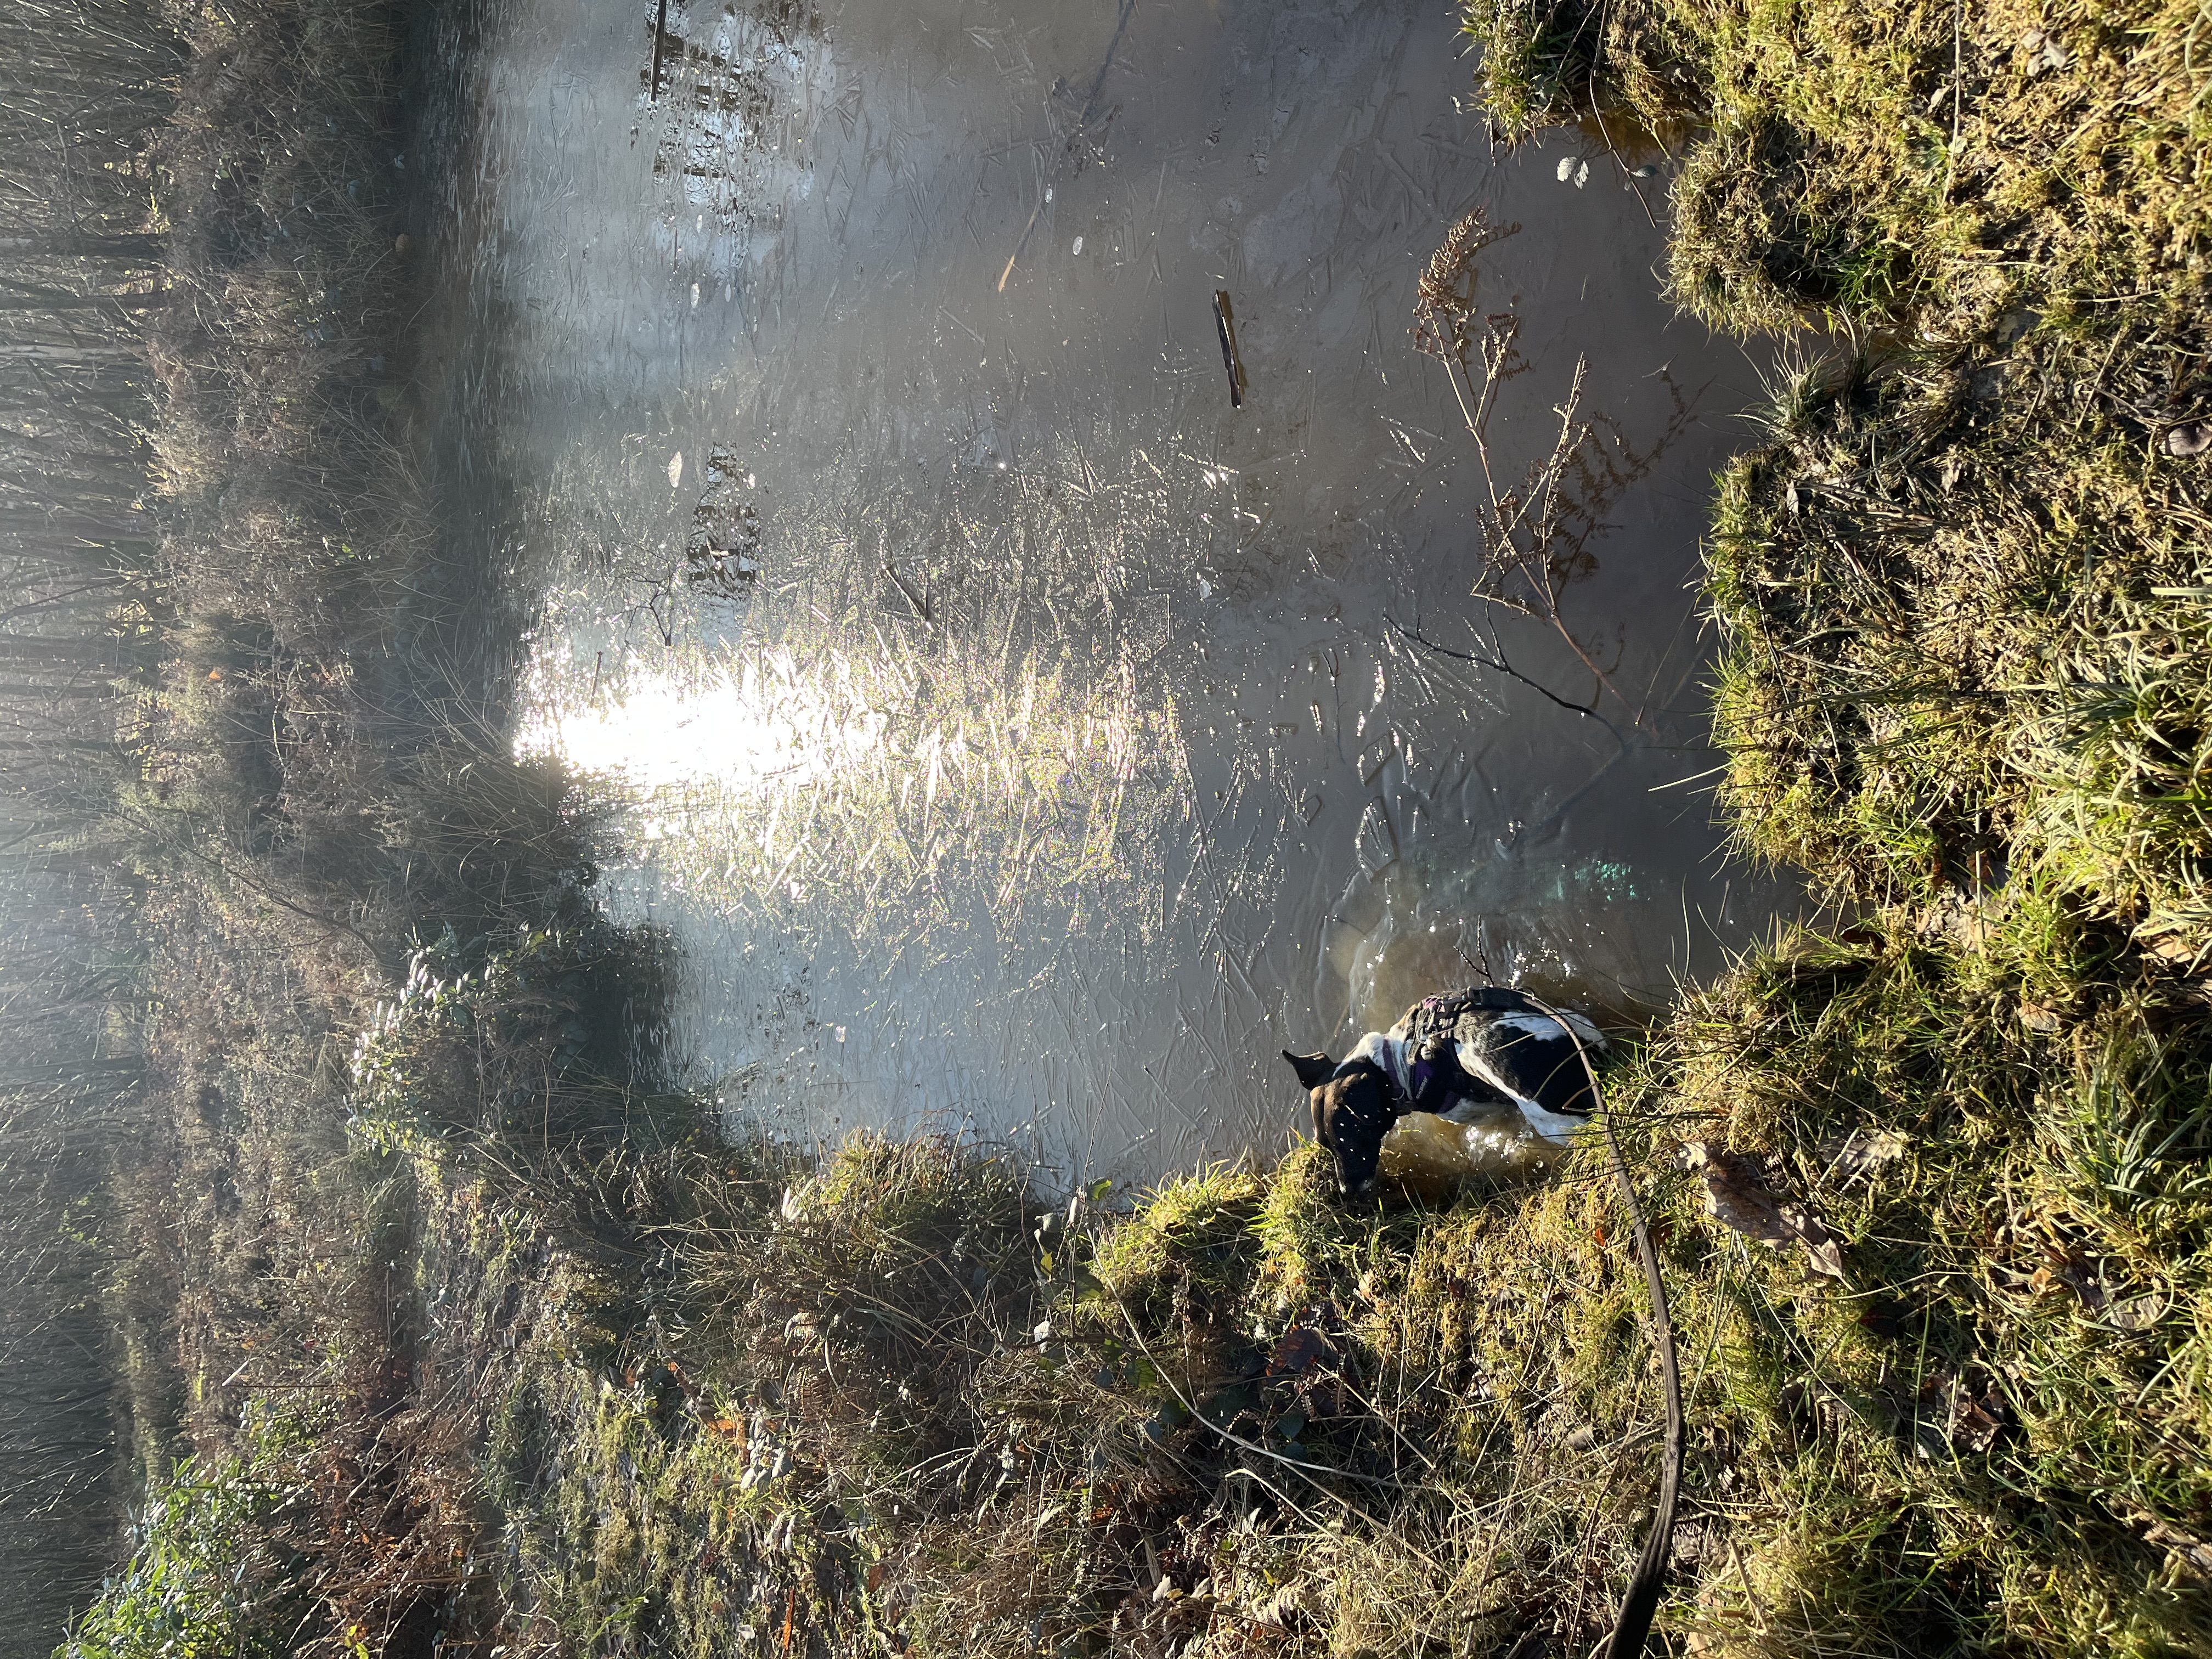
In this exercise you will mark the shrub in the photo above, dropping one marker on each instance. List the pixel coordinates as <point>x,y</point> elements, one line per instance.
<point>209,1574</point>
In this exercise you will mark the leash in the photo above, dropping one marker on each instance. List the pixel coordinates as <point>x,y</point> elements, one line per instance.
<point>1631,1626</point>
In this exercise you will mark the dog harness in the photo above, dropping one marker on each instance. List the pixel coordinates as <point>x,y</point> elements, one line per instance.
<point>1419,1057</point>
<point>1422,1059</point>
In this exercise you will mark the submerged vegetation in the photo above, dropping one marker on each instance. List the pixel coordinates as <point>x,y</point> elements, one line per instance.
<point>444,1321</point>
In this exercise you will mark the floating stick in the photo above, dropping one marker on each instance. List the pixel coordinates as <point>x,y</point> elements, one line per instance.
<point>1225,324</point>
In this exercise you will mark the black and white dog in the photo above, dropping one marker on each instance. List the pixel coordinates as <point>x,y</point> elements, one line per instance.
<point>1463,1054</point>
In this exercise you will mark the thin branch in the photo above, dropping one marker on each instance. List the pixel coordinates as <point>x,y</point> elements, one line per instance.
<point>1495,661</point>
<point>1640,1603</point>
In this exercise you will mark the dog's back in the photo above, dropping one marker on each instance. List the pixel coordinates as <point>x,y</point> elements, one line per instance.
<point>1459,1055</point>
<point>1501,1037</point>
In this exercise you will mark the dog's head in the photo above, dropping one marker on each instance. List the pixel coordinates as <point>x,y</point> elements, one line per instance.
<point>1352,1110</point>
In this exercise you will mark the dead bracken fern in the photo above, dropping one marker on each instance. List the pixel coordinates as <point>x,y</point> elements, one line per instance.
<point>1536,530</point>
<point>1446,324</point>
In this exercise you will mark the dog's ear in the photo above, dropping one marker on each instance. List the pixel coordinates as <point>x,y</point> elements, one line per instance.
<point>1313,1070</point>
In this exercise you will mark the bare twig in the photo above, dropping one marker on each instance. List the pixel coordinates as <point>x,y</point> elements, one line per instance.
<point>1640,1603</point>
<point>1536,530</point>
<point>1496,660</point>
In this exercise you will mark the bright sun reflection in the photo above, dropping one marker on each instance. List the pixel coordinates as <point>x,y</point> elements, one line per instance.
<point>744,726</point>
<point>890,786</point>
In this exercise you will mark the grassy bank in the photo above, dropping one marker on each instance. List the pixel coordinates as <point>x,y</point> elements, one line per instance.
<point>706,1398</point>
<point>1961,579</point>
<point>1959,582</point>
<point>881,1401</point>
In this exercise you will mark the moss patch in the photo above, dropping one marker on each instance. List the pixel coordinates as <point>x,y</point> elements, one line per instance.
<point>1874,164</point>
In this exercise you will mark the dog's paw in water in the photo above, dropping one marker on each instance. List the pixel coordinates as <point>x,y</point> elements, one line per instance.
<point>1463,1057</point>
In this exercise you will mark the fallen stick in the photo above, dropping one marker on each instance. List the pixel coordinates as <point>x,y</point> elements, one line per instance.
<point>1632,1625</point>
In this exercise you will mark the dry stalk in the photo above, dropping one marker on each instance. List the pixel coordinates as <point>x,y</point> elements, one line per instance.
<point>1632,1625</point>
<point>1536,530</point>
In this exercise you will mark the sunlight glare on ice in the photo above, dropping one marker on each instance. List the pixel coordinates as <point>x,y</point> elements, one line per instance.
<point>738,726</point>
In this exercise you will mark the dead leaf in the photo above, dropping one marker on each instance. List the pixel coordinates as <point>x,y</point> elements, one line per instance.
<point>1736,1197</point>
<point>1280,1608</point>
<point>1303,1348</point>
<point>1821,1250</point>
<point>1324,1395</point>
<point>2136,1313</point>
<point>2171,947</point>
<point>2194,1552</point>
<point>1695,1542</point>
<point>1885,1319</point>
<point>1976,1427</point>
<point>1975,1423</point>
<point>2081,1278</point>
<point>1863,1150</point>
<point>1735,1194</point>
<point>1823,1400</point>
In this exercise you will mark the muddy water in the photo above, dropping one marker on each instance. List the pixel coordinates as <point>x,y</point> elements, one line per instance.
<point>1010,729</point>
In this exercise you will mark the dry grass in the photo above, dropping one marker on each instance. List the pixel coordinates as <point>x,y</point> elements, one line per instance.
<point>1239,1418</point>
<point>738,1396</point>
<point>899,1406</point>
<point>307,810</point>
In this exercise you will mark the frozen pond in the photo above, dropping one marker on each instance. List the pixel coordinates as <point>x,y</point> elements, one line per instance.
<point>1013,731</point>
